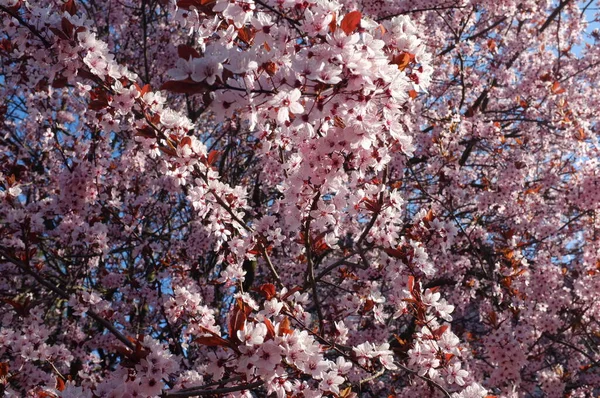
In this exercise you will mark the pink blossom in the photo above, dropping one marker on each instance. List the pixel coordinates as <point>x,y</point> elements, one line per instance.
<point>252,334</point>
<point>286,103</point>
<point>456,374</point>
<point>331,382</point>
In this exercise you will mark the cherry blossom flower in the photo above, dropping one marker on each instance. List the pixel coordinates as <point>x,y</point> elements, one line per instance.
<point>97,64</point>
<point>183,69</point>
<point>456,374</point>
<point>287,102</point>
<point>331,381</point>
<point>267,357</point>
<point>252,334</point>
<point>206,68</point>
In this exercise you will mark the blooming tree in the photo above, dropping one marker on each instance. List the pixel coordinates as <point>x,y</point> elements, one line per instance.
<point>299,198</point>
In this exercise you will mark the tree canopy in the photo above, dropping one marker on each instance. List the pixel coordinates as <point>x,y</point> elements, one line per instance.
<point>299,198</point>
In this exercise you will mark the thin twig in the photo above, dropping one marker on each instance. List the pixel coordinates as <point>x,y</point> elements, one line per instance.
<point>24,23</point>
<point>214,383</point>
<point>50,286</point>
<point>271,267</point>
<point>426,379</point>
<point>294,24</point>
<point>372,377</point>
<point>415,10</point>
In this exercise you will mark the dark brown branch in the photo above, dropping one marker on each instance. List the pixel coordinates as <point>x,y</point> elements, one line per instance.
<point>474,36</point>
<point>553,15</point>
<point>415,10</point>
<point>310,270</point>
<point>216,391</point>
<point>571,346</point>
<point>145,42</point>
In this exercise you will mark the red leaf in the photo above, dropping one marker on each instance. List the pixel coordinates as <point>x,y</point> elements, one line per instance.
<point>428,218</point>
<point>3,369</point>
<point>301,238</point>
<point>85,73</point>
<point>60,383</point>
<point>285,327</point>
<point>319,244</point>
<point>142,90</point>
<point>146,132</point>
<point>268,290</point>
<point>137,354</point>
<point>186,52</point>
<point>140,352</point>
<point>98,100</point>
<point>351,22</point>
<point>557,89</point>
<point>67,27</point>
<point>6,45</point>
<point>186,4</point>
<point>270,67</point>
<point>168,151</point>
<point>212,157</point>
<point>246,35</point>
<point>215,339</point>
<point>403,60</point>
<point>60,82</point>
<point>238,317</point>
<point>212,341</point>
<point>204,6</point>
<point>22,309</point>
<point>440,331</point>
<point>470,112</point>
<point>339,122</point>
<point>59,33</point>
<point>369,305</point>
<point>411,283</point>
<point>333,24</point>
<point>270,329</point>
<point>16,7</point>
<point>372,205</point>
<point>69,7</point>
<point>255,250</point>
<point>185,141</point>
<point>396,253</point>
<point>291,292</point>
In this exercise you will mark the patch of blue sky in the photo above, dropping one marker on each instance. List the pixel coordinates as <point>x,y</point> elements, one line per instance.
<point>591,15</point>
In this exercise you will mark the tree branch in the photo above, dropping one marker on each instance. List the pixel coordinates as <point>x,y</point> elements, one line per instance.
<point>553,15</point>
<point>216,391</point>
